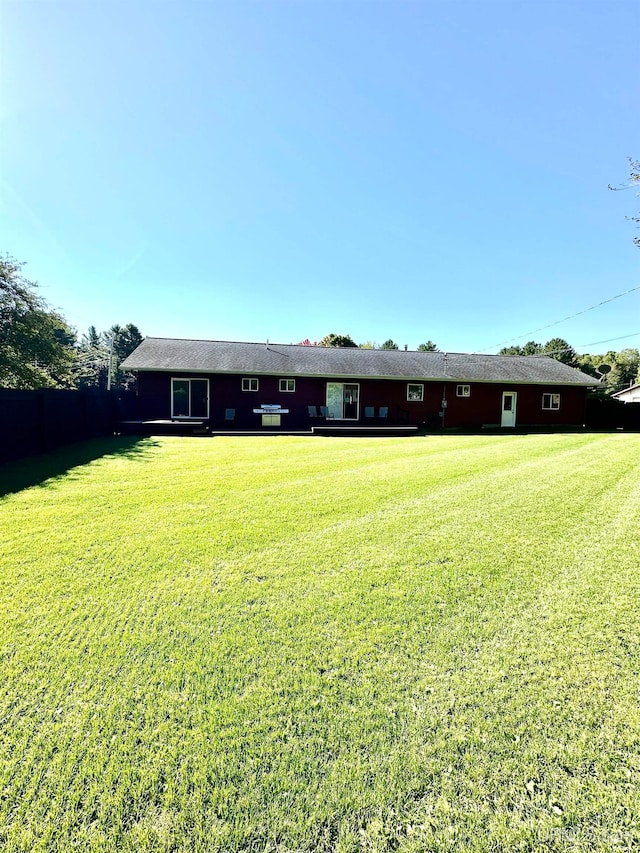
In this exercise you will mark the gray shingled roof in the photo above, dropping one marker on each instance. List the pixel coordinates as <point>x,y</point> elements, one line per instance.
<point>170,354</point>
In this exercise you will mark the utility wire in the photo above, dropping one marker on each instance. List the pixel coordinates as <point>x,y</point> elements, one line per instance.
<point>581,346</point>
<point>468,358</point>
<point>609,340</point>
<point>564,320</point>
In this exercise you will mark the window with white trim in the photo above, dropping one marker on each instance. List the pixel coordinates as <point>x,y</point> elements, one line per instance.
<point>287,385</point>
<point>249,384</point>
<point>551,402</point>
<point>463,390</point>
<point>415,393</point>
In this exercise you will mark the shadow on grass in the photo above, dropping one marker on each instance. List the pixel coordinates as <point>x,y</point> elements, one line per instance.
<point>37,470</point>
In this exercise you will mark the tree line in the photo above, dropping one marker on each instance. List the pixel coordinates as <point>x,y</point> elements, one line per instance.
<point>333,340</point>
<point>615,370</point>
<point>38,348</point>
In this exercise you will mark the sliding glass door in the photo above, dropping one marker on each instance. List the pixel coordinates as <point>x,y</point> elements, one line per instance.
<point>189,398</point>
<point>343,400</point>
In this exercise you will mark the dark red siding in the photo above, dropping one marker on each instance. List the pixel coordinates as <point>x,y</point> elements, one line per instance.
<point>483,406</point>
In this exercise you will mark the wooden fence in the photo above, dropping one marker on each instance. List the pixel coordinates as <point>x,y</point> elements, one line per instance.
<point>34,422</point>
<point>607,413</point>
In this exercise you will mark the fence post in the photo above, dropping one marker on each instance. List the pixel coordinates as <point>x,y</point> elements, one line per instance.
<point>41,422</point>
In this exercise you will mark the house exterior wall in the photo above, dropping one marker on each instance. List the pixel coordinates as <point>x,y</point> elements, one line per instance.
<point>629,395</point>
<point>483,406</point>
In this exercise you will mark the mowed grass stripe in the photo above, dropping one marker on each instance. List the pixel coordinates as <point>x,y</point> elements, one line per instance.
<point>406,649</point>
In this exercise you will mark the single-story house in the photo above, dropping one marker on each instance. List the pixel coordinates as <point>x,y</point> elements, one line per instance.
<point>291,386</point>
<point>628,395</point>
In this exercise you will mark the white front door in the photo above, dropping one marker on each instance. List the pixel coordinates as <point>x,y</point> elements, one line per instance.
<point>509,399</point>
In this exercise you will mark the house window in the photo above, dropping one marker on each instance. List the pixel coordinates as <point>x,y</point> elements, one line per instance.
<point>415,393</point>
<point>249,384</point>
<point>189,398</point>
<point>463,390</point>
<point>551,401</point>
<point>287,385</point>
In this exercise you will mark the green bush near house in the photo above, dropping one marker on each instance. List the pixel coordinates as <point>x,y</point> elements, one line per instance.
<point>307,644</point>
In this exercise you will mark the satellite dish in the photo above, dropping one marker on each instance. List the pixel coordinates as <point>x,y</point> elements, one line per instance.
<point>603,369</point>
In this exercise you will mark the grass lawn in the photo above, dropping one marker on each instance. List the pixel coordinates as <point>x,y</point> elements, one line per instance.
<point>307,644</point>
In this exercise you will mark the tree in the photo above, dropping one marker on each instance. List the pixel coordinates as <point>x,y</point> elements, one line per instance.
<point>429,346</point>
<point>614,370</point>
<point>624,369</point>
<point>93,359</point>
<point>591,364</point>
<point>101,353</point>
<point>634,180</point>
<point>332,340</point>
<point>36,344</point>
<point>124,340</point>
<point>92,337</point>
<point>389,344</point>
<point>530,348</point>
<point>556,348</point>
<point>559,349</point>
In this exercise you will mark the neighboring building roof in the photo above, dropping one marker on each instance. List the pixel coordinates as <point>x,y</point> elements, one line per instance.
<point>629,395</point>
<point>176,355</point>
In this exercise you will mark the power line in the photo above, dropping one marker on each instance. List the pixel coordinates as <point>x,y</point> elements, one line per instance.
<point>570,317</point>
<point>580,346</point>
<point>609,340</point>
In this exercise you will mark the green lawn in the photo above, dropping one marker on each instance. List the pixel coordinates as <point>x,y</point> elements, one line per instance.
<point>307,644</point>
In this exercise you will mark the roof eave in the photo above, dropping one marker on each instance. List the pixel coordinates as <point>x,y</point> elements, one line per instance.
<point>362,376</point>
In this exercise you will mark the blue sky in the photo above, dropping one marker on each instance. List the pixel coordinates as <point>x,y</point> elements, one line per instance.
<point>281,170</point>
